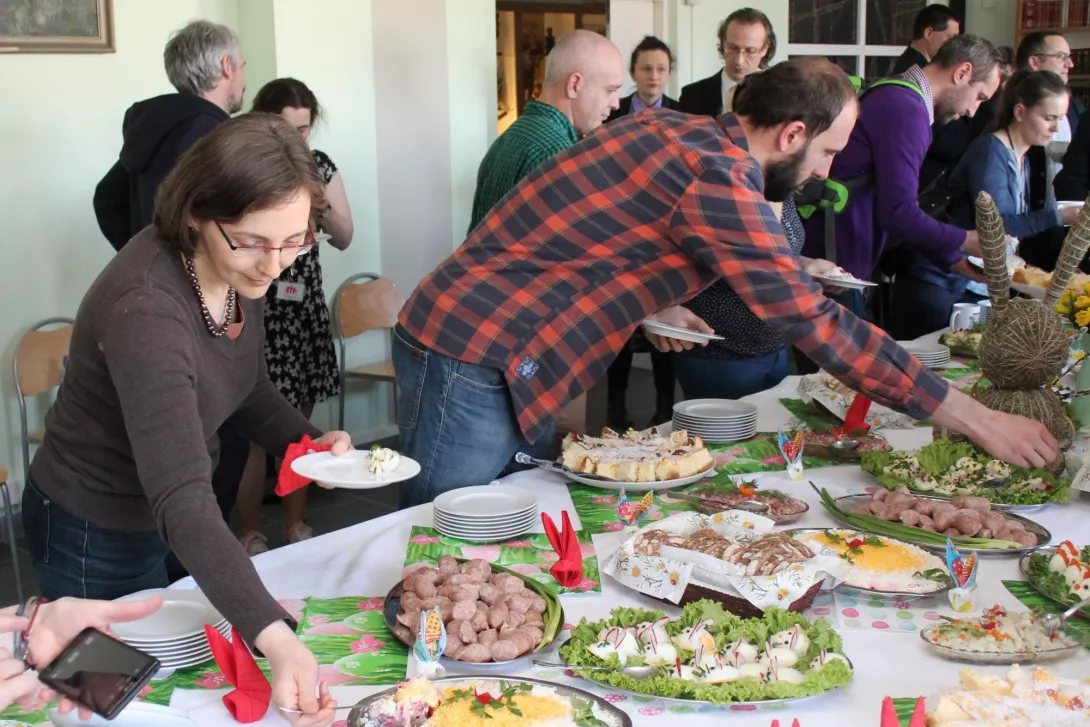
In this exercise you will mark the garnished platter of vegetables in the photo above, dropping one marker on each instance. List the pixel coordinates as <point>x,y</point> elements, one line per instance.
<point>711,656</point>
<point>946,469</point>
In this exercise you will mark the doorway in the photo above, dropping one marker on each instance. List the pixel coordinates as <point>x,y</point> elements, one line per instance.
<point>526,30</point>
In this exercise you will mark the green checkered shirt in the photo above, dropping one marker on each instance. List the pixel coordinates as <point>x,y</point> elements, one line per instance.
<point>539,133</point>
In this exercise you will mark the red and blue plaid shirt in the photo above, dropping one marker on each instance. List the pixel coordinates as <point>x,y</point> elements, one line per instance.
<point>642,215</point>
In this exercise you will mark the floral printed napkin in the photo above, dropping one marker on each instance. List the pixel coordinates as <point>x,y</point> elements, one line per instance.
<point>347,635</point>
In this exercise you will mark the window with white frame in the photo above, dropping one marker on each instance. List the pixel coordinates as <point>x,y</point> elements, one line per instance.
<point>864,37</point>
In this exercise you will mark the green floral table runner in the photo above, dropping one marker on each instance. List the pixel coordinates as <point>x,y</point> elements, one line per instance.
<point>531,555</point>
<point>347,635</point>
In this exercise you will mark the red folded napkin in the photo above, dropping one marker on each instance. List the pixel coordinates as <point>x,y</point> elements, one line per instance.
<point>288,482</point>
<point>855,422</point>
<point>568,571</point>
<point>919,715</point>
<point>250,700</point>
<point>889,714</point>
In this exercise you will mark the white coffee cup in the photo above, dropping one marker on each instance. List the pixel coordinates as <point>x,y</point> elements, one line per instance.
<point>965,315</point>
<point>985,311</point>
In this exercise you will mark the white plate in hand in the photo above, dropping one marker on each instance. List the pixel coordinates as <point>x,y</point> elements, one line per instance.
<point>350,470</point>
<point>681,334</point>
<point>849,281</point>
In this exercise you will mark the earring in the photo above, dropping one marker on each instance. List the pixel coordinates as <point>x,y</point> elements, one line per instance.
<point>192,228</point>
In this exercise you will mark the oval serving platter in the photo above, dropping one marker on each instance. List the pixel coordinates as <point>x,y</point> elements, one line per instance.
<point>392,606</point>
<point>870,592</point>
<point>1044,537</point>
<point>759,704</point>
<point>996,658</point>
<point>614,716</point>
<point>1023,567</point>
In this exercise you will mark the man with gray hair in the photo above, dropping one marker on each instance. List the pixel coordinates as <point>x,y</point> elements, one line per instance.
<point>583,74</point>
<point>204,63</point>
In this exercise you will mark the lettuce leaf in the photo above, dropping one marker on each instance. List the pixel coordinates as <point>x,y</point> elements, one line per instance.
<point>942,454</point>
<point>725,627</point>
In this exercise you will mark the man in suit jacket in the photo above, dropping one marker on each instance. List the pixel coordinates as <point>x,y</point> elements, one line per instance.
<point>747,44</point>
<point>934,25</point>
<point>650,68</point>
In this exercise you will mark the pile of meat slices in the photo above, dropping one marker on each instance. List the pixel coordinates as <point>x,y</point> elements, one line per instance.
<point>488,616</point>
<point>969,517</point>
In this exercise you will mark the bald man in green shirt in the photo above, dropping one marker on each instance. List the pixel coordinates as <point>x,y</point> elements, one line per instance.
<point>583,74</point>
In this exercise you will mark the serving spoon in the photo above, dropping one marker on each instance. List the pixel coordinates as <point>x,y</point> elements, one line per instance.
<point>523,458</point>
<point>639,673</point>
<point>1053,624</point>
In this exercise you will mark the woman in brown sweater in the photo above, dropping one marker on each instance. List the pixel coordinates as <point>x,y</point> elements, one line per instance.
<point>168,345</point>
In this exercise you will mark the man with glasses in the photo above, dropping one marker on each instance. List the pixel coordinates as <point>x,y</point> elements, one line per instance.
<point>747,44</point>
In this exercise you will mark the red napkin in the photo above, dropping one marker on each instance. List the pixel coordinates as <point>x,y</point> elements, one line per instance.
<point>568,571</point>
<point>288,482</point>
<point>855,421</point>
<point>889,714</point>
<point>919,717</point>
<point>250,700</point>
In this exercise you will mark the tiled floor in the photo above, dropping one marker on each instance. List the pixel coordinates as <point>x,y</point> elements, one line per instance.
<point>331,510</point>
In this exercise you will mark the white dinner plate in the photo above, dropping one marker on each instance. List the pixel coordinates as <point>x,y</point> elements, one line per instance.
<point>485,501</point>
<point>183,614</point>
<point>851,283</point>
<point>349,470</point>
<point>200,642</point>
<point>719,410</point>
<point>712,424</point>
<point>521,528</point>
<point>485,538</point>
<point>476,519</point>
<point>1032,291</point>
<point>143,642</point>
<point>486,527</point>
<point>681,334</point>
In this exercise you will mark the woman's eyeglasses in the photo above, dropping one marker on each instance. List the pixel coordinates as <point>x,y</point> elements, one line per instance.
<point>254,251</point>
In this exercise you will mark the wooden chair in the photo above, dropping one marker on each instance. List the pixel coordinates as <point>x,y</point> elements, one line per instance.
<point>37,368</point>
<point>359,307</point>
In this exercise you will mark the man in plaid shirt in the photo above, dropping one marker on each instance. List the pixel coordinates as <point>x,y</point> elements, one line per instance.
<point>626,225</point>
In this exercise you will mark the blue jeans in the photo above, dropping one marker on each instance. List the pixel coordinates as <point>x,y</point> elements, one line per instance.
<point>74,558</point>
<point>710,378</point>
<point>456,419</point>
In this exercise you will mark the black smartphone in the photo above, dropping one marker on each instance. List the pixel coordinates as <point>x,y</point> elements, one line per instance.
<point>99,672</point>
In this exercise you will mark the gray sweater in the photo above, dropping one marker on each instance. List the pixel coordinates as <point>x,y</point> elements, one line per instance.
<point>130,442</point>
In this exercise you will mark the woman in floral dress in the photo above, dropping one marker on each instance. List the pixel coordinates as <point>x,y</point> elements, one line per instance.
<point>298,340</point>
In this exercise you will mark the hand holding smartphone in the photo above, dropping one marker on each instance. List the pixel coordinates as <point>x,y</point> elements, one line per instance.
<point>99,672</point>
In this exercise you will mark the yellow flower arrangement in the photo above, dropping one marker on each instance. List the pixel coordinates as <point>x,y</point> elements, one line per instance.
<point>1064,310</point>
<point>1082,318</point>
<point>1068,297</point>
<point>1086,288</point>
<point>1082,302</point>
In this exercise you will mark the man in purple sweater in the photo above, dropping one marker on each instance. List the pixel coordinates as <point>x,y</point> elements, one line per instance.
<point>888,145</point>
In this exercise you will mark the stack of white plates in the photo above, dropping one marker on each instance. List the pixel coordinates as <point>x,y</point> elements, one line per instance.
<point>175,633</point>
<point>716,420</point>
<point>485,514</point>
<point>932,355</point>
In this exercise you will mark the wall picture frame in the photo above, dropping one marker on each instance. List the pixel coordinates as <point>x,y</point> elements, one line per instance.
<point>57,26</point>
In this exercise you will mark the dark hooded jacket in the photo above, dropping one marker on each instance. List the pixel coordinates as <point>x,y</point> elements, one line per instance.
<point>156,133</point>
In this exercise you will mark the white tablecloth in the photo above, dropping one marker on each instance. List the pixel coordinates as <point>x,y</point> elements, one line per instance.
<point>367,560</point>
